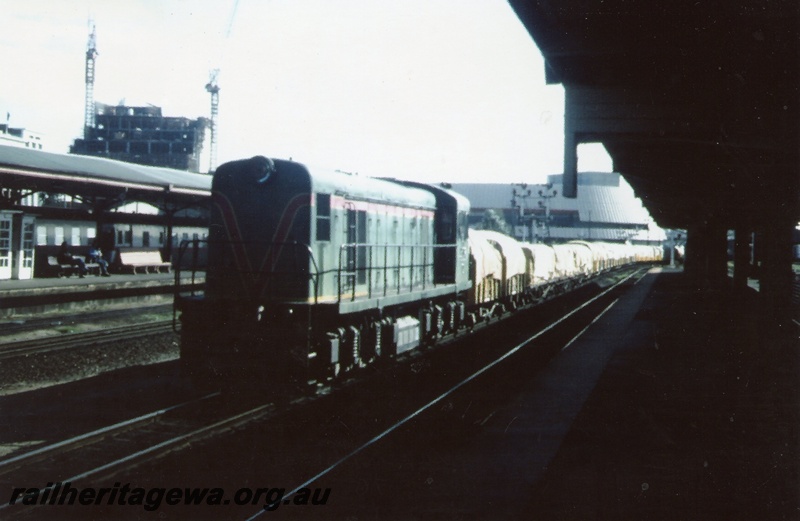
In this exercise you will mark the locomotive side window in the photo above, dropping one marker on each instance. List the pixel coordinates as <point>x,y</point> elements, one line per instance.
<point>323,217</point>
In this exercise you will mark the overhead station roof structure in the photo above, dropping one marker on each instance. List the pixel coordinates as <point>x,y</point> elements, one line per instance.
<point>695,102</point>
<point>35,170</point>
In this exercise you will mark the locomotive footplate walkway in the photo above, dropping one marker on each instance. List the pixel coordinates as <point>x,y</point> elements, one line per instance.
<point>669,406</point>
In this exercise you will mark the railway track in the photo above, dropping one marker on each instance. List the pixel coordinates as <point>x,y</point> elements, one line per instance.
<point>117,450</point>
<point>560,332</point>
<point>18,461</point>
<point>17,326</point>
<point>122,446</point>
<point>75,340</point>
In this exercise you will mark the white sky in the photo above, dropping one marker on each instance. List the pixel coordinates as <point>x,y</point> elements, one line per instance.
<point>430,90</point>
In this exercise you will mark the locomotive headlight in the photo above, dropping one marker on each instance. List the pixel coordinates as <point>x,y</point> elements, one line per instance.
<point>267,167</point>
<point>260,313</point>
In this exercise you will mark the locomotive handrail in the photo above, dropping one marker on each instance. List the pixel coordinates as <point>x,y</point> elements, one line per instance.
<point>184,244</point>
<point>353,272</point>
<point>348,275</point>
<point>181,251</point>
<point>315,276</point>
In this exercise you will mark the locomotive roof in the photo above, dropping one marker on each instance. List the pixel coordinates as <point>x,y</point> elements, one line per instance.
<point>369,188</point>
<point>441,192</point>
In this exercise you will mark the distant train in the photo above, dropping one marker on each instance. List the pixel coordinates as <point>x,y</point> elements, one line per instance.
<point>314,273</point>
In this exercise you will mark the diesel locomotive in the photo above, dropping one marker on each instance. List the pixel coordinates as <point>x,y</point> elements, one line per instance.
<point>312,273</point>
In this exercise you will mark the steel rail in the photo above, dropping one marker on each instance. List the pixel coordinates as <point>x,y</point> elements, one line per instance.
<point>101,432</point>
<point>14,326</point>
<point>75,340</point>
<point>386,432</point>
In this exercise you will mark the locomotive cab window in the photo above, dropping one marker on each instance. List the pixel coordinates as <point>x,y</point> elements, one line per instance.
<point>323,217</point>
<point>447,232</point>
<point>463,226</point>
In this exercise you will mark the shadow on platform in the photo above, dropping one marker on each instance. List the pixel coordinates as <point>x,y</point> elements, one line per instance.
<point>700,424</point>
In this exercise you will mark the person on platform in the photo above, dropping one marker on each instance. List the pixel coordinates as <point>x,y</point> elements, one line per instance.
<point>96,255</point>
<point>65,257</point>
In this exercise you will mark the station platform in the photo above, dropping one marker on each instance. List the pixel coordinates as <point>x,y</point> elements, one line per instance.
<point>695,416</point>
<point>72,294</point>
<point>673,405</point>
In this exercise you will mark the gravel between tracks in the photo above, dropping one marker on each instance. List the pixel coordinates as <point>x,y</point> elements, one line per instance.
<point>46,369</point>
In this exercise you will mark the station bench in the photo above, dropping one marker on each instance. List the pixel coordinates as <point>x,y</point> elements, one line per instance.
<point>57,269</point>
<point>148,260</point>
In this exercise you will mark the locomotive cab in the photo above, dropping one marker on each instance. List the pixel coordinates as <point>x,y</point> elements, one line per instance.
<point>451,258</point>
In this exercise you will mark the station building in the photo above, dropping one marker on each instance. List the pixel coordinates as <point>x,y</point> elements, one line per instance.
<point>47,198</point>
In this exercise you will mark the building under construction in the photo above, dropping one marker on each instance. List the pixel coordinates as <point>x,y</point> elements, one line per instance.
<point>144,136</point>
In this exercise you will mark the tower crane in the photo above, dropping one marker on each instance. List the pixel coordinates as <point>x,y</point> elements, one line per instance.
<point>88,110</point>
<point>213,88</point>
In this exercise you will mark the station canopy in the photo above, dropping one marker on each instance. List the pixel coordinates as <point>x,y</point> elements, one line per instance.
<point>30,171</point>
<point>695,102</point>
